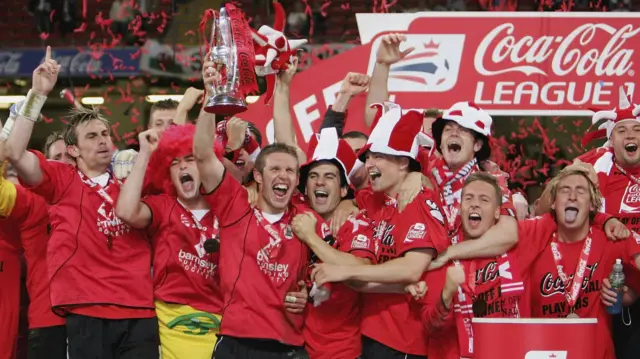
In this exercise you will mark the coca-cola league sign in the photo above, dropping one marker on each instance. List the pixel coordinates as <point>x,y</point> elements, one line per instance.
<point>509,63</point>
<point>527,63</point>
<point>75,63</point>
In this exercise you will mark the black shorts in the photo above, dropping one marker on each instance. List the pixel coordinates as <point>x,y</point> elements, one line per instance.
<point>48,342</point>
<point>98,338</point>
<point>372,349</point>
<point>244,348</point>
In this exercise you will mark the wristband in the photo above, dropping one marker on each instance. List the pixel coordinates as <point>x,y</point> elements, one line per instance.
<point>6,130</point>
<point>32,106</point>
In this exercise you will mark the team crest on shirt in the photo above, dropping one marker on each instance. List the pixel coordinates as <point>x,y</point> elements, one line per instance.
<point>288,233</point>
<point>636,237</point>
<point>360,242</point>
<point>416,231</point>
<point>108,223</point>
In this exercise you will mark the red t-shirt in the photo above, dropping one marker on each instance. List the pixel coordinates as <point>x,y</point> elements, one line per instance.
<point>255,284</point>
<point>183,272</point>
<point>10,290</point>
<point>547,290</point>
<point>394,319</point>
<point>620,195</point>
<point>332,330</point>
<point>441,323</point>
<point>87,276</point>
<point>30,212</point>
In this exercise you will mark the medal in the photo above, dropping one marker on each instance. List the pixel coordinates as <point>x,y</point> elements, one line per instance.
<point>572,316</point>
<point>479,307</point>
<point>211,245</point>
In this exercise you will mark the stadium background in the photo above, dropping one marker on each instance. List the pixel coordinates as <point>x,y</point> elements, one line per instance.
<point>84,30</point>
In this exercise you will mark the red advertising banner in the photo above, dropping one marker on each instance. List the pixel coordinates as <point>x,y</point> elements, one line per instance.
<point>508,63</point>
<point>534,338</point>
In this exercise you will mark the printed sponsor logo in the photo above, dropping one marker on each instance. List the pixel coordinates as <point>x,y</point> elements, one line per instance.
<point>195,264</point>
<point>360,242</point>
<point>416,231</point>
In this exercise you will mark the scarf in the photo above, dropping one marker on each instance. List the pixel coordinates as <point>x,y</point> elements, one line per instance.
<point>466,305</point>
<point>450,184</point>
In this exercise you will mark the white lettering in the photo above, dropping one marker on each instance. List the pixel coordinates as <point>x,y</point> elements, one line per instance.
<point>305,118</point>
<point>576,53</point>
<point>550,93</point>
<point>10,62</point>
<point>600,90</point>
<point>330,92</point>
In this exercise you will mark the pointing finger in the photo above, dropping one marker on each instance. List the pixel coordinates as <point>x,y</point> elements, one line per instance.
<point>47,55</point>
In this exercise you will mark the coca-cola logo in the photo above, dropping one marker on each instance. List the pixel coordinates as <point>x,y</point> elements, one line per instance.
<point>10,62</point>
<point>578,52</point>
<point>382,232</point>
<point>552,284</point>
<point>634,189</point>
<point>487,274</point>
<point>81,63</point>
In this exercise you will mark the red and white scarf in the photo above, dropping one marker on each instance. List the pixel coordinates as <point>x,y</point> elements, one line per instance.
<point>510,282</point>
<point>450,184</point>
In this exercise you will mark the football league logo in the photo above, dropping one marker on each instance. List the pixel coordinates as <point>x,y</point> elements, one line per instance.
<point>433,65</point>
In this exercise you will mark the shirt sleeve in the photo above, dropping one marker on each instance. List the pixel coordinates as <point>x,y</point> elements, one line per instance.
<point>334,119</point>
<point>229,201</point>
<point>417,229</point>
<point>534,235</point>
<point>435,316</point>
<point>56,178</point>
<point>631,248</point>
<point>159,205</point>
<point>356,237</point>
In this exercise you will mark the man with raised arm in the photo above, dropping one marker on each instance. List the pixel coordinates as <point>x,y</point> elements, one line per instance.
<point>99,267</point>
<point>184,236</point>
<point>261,260</point>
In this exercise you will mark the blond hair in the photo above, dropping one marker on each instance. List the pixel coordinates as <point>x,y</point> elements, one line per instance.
<point>594,192</point>
<point>78,116</point>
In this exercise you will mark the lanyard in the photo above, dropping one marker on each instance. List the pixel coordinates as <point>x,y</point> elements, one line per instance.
<point>102,193</point>
<point>633,178</point>
<point>572,294</point>
<point>204,245</point>
<point>97,187</point>
<point>272,250</point>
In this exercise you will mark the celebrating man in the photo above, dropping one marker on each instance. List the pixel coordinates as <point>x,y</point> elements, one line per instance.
<point>261,260</point>
<point>578,253</point>
<point>99,267</point>
<point>332,328</point>
<point>183,232</point>
<point>391,326</point>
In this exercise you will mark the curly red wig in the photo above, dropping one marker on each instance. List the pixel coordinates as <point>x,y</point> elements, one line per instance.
<point>176,141</point>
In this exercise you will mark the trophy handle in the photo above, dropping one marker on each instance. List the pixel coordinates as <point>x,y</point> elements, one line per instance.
<point>213,31</point>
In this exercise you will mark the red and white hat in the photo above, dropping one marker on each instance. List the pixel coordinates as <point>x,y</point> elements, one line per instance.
<point>327,146</point>
<point>470,116</point>
<point>396,134</point>
<point>623,113</point>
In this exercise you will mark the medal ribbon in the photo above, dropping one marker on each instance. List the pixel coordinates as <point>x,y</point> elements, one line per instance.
<point>463,308</point>
<point>272,250</point>
<point>203,232</point>
<point>102,193</point>
<point>633,178</point>
<point>97,187</point>
<point>571,294</point>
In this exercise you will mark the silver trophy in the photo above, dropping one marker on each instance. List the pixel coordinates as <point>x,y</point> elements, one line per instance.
<point>226,99</point>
